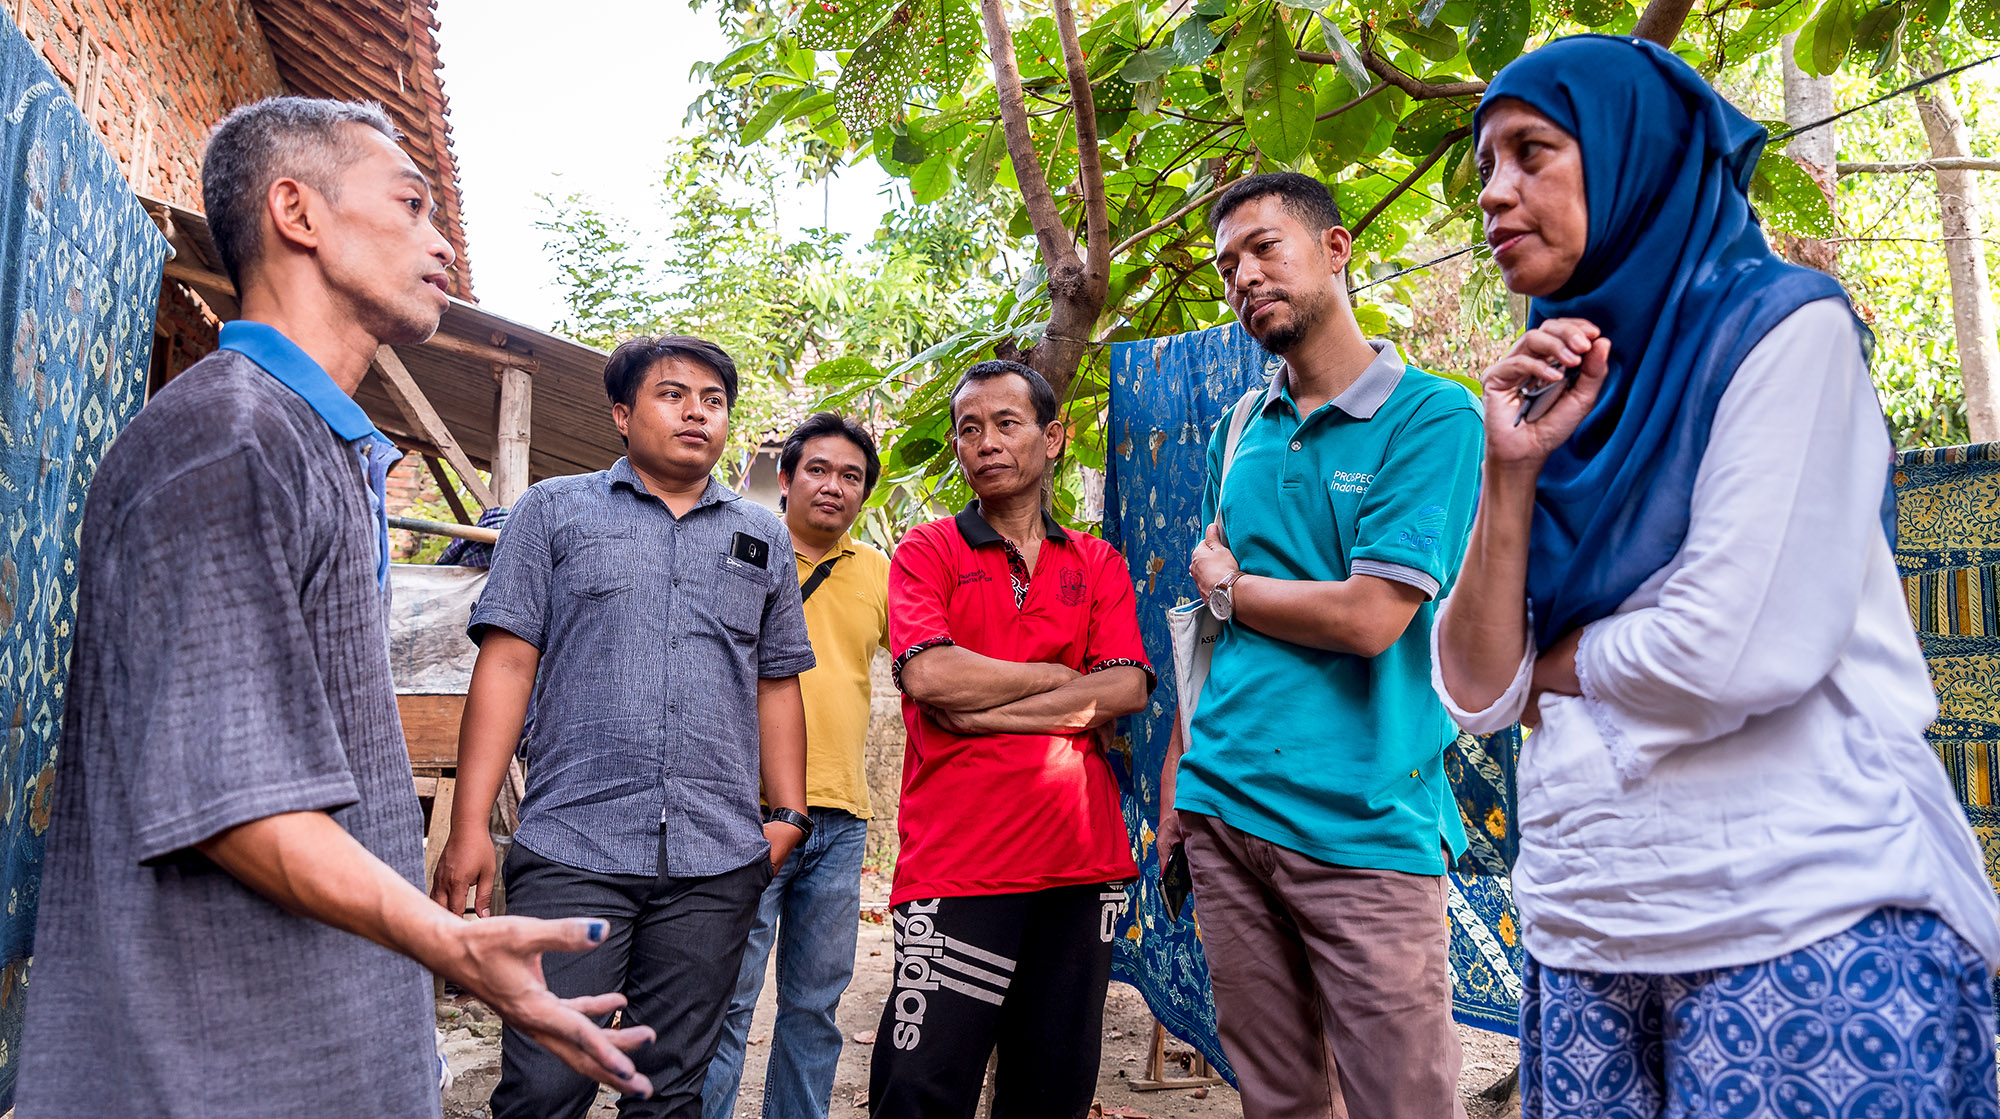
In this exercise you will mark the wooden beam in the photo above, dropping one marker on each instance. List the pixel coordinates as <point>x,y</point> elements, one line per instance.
<point>196,276</point>
<point>409,400</point>
<point>453,344</point>
<point>511,434</point>
<point>201,278</point>
<point>1941,163</point>
<point>449,488</point>
<point>212,288</point>
<point>439,528</point>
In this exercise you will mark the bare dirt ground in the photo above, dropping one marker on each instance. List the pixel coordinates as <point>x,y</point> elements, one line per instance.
<point>474,1049</point>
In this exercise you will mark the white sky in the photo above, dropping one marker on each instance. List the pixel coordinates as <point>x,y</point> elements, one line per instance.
<point>582,96</point>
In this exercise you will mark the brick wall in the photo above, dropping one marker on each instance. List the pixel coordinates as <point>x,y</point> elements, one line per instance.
<point>154,76</point>
<point>413,492</point>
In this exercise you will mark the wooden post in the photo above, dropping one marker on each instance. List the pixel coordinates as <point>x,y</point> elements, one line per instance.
<point>417,410</point>
<point>1156,1078</point>
<point>511,434</point>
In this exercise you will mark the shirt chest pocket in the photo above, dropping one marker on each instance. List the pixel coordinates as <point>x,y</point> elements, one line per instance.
<point>739,597</point>
<point>597,565</point>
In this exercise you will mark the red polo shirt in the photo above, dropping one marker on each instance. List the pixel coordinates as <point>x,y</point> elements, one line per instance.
<point>1008,813</point>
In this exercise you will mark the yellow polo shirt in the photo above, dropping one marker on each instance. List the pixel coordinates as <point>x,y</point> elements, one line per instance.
<point>847,619</point>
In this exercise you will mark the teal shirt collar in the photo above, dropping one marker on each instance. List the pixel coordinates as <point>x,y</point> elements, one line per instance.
<point>296,370</point>
<point>1365,396</point>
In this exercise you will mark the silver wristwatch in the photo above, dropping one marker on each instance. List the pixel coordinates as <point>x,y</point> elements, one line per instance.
<point>1220,603</point>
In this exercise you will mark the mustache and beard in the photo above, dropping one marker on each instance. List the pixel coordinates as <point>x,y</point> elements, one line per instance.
<point>1280,340</point>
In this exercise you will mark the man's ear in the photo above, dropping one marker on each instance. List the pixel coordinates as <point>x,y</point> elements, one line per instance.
<point>621,415</point>
<point>293,208</point>
<point>1057,436</point>
<point>1339,246</point>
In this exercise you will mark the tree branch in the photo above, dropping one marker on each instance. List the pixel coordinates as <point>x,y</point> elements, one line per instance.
<point>1339,109</point>
<point>1415,87</point>
<point>1940,163</point>
<point>1395,192</point>
<point>1170,220</point>
<point>1661,21</point>
<point>1051,234</point>
<point>1089,164</point>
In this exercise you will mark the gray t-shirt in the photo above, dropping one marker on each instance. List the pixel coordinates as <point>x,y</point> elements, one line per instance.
<point>231,663</point>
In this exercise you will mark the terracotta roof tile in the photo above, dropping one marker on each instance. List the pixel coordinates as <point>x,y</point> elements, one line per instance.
<point>377,50</point>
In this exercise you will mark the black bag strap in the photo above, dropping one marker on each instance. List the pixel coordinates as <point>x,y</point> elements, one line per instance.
<point>818,576</point>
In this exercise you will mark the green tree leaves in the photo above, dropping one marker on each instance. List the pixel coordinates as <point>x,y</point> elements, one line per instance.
<point>1789,200</point>
<point>1499,30</point>
<point>1277,93</point>
<point>1982,18</point>
<point>929,43</point>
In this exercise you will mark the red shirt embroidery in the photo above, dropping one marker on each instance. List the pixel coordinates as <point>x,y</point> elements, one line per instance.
<point>1003,814</point>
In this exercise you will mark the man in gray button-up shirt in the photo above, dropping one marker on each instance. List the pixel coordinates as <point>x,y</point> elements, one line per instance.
<point>656,619</point>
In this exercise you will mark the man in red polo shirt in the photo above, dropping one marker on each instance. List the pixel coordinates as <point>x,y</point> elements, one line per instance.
<point>1016,646</point>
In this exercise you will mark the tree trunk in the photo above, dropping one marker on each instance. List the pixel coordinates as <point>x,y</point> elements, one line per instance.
<point>1078,284</point>
<point>1810,98</point>
<point>1965,259</point>
<point>1661,21</point>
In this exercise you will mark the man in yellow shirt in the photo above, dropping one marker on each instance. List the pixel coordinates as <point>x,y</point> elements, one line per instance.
<point>812,907</point>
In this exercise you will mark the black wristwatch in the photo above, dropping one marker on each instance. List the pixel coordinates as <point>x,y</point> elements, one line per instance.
<point>798,820</point>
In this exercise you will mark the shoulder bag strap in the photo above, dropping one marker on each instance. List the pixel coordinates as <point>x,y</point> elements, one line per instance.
<point>818,576</point>
<point>1238,416</point>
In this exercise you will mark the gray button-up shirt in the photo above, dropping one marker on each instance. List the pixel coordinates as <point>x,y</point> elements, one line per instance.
<point>654,630</point>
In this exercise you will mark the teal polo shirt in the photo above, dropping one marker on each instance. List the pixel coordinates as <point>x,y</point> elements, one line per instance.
<point>1337,756</point>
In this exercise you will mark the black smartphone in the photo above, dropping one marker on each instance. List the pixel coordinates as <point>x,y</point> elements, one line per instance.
<point>1175,881</point>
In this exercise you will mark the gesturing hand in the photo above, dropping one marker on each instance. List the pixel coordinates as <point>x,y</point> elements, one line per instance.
<point>502,965</point>
<point>1543,356</point>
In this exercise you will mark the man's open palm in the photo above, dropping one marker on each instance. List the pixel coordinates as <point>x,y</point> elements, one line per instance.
<point>504,969</point>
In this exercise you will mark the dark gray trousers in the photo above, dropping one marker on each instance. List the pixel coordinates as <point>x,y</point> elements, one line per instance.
<point>673,949</point>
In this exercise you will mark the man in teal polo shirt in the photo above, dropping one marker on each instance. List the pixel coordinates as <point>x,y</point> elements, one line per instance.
<point>1312,797</point>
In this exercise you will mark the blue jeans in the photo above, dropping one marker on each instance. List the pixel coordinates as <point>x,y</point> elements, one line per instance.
<point>812,909</point>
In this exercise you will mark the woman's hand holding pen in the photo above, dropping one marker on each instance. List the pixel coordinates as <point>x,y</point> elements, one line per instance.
<point>1541,359</point>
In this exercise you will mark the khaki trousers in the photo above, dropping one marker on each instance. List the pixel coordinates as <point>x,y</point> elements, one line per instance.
<point>1332,984</point>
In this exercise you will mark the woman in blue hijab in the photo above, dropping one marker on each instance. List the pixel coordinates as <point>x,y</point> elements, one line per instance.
<point>1745,885</point>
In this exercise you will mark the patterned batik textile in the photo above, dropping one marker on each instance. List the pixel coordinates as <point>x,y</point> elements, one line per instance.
<point>1891,1019</point>
<point>1948,552</point>
<point>80,280</point>
<point>1167,395</point>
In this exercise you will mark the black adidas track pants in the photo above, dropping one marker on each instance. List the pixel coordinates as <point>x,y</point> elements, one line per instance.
<point>1024,972</point>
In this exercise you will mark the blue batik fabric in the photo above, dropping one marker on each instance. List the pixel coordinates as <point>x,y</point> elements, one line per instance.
<point>1891,1019</point>
<point>1167,395</point>
<point>79,282</point>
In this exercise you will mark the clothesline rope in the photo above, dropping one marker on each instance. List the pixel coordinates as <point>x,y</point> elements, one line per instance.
<point>1780,138</point>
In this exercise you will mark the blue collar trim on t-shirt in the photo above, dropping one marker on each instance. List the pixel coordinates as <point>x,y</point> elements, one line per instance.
<point>296,370</point>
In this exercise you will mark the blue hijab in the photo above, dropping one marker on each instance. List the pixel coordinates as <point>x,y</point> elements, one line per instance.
<point>1677,274</point>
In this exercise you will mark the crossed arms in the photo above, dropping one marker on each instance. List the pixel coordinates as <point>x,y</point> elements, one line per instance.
<point>969,693</point>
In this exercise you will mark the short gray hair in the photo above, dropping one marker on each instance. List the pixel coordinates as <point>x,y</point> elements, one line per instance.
<point>301,138</point>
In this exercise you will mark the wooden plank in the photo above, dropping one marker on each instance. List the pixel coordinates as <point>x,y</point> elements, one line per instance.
<point>473,533</point>
<point>449,489</point>
<point>452,343</point>
<point>510,435</point>
<point>430,728</point>
<point>409,400</point>
<point>1156,1078</point>
<point>447,791</point>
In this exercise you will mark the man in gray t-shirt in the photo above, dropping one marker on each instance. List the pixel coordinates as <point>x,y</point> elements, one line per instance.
<point>233,818</point>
